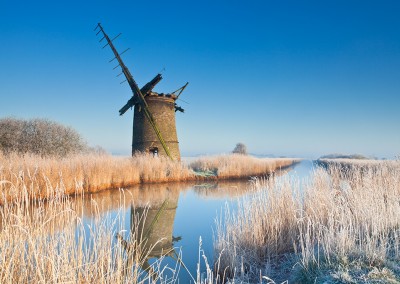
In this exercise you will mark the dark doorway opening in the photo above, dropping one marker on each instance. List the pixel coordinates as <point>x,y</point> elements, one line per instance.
<point>154,151</point>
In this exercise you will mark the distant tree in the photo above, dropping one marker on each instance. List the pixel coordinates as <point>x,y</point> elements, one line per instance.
<point>240,148</point>
<point>39,136</point>
<point>97,150</point>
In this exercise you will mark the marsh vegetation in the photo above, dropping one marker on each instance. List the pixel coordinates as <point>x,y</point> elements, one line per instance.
<point>340,226</point>
<point>93,172</point>
<point>52,241</point>
<point>74,238</point>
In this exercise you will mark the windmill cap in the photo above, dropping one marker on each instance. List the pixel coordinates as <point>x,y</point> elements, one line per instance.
<point>165,95</point>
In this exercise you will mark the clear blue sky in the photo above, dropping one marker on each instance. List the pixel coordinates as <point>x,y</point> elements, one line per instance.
<point>284,77</point>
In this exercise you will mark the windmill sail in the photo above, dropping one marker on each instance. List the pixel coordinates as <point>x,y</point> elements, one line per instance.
<point>145,90</point>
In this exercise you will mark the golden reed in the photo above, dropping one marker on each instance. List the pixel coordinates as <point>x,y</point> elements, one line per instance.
<point>95,172</point>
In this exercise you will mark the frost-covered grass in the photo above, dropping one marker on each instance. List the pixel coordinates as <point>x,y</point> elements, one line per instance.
<point>340,226</point>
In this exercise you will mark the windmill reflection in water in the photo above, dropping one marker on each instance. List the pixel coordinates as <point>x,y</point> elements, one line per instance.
<point>151,236</point>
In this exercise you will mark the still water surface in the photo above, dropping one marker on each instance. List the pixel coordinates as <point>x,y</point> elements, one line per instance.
<point>188,212</point>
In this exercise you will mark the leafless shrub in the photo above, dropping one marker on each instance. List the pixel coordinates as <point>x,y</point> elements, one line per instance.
<point>97,150</point>
<point>39,136</point>
<point>240,148</point>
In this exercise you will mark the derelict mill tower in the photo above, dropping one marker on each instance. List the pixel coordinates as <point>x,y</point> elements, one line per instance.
<point>144,138</point>
<point>154,125</point>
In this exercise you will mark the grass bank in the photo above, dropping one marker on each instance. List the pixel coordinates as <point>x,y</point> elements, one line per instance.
<point>340,226</point>
<point>236,166</point>
<point>93,172</point>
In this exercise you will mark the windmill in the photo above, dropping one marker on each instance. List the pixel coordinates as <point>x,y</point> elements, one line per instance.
<point>154,127</point>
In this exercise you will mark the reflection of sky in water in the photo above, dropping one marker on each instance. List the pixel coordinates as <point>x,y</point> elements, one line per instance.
<point>301,170</point>
<point>196,217</point>
<point>198,206</point>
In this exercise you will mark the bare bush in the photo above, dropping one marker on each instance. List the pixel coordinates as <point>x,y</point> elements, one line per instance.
<point>39,136</point>
<point>240,148</point>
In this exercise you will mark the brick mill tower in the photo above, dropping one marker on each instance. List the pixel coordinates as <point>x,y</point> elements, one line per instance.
<point>154,127</point>
<point>144,138</point>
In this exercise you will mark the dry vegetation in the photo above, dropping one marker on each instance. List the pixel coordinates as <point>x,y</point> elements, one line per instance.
<point>95,172</point>
<point>348,164</point>
<point>42,154</point>
<point>84,173</point>
<point>40,137</point>
<point>34,248</point>
<point>341,226</point>
<point>67,239</point>
<point>239,166</point>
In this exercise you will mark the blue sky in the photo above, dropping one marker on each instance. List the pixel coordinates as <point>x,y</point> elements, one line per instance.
<point>300,78</point>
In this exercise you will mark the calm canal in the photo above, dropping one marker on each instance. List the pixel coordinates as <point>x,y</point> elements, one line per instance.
<point>178,214</point>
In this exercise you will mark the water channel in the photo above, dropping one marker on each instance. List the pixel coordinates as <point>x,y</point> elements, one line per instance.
<point>178,213</point>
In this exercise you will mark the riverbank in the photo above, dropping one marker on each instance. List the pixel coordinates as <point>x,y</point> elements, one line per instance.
<point>339,225</point>
<point>44,177</point>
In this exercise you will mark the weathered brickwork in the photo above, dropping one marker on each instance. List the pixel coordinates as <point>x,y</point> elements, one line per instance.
<point>144,137</point>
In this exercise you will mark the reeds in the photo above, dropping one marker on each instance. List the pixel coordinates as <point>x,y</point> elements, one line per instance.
<point>340,224</point>
<point>85,173</point>
<point>96,172</point>
<point>50,242</point>
<point>45,236</point>
<point>83,238</point>
<point>238,166</point>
